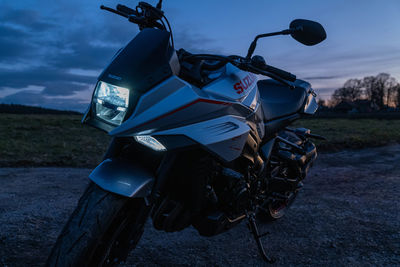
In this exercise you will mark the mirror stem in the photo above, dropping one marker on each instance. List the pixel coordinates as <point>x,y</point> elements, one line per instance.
<point>159,4</point>
<point>254,43</point>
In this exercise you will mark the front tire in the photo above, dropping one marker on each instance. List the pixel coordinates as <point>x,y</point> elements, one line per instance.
<point>101,231</point>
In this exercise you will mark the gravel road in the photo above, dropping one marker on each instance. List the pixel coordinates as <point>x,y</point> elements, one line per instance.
<point>347,214</point>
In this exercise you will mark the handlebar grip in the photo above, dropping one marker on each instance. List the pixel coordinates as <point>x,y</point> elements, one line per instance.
<point>281,73</point>
<point>134,19</point>
<point>126,10</point>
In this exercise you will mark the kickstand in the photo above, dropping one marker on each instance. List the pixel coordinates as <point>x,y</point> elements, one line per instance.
<point>257,237</point>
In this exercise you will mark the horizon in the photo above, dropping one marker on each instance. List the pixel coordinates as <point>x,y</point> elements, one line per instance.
<point>51,53</point>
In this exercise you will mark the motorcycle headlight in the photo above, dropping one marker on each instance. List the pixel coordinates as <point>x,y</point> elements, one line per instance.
<point>111,102</point>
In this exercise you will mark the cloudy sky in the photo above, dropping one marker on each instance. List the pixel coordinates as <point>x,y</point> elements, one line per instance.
<point>51,51</point>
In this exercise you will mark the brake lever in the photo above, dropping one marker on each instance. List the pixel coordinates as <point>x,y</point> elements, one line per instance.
<point>109,9</point>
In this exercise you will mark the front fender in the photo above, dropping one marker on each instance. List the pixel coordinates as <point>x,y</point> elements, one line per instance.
<point>123,178</point>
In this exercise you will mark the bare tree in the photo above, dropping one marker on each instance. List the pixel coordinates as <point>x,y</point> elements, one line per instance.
<point>391,85</point>
<point>353,88</point>
<point>376,88</point>
<point>351,91</point>
<point>382,90</point>
<point>338,96</point>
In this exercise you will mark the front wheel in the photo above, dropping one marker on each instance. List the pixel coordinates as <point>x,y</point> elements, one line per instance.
<point>101,231</point>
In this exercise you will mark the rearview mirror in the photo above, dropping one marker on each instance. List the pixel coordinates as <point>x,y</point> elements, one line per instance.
<point>307,32</point>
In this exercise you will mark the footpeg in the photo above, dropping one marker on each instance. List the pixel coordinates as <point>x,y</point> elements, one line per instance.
<point>254,230</point>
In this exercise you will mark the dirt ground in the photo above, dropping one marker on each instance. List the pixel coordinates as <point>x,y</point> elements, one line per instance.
<point>347,215</point>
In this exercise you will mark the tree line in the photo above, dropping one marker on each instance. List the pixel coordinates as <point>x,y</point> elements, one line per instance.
<point>21,109</point>
<point>382,91</point>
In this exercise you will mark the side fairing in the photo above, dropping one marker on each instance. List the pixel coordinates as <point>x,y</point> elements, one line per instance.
<point>224,136</point>
<point>214,117</point>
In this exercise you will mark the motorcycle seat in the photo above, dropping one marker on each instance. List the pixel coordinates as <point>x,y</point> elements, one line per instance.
<point>279,100</point>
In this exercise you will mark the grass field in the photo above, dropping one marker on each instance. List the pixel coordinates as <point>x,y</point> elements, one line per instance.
<point>353,133</point>
<point>61,140</point>
<point>49,140</point>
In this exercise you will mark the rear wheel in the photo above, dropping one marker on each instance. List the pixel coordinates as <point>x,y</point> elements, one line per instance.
<point>283,187</point>
<point>273,210</point>
<point>101,231</point>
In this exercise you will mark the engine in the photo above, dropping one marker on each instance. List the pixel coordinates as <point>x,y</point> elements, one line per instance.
<point>214,198</point>
<point>228,196</point>
<point>291,159</point>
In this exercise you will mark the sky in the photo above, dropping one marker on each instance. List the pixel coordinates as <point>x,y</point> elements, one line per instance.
<point>51,51</point>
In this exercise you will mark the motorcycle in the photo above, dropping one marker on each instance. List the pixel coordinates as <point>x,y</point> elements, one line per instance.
<point>198,140</point>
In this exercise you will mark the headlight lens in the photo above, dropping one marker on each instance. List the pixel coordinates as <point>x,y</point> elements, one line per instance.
<point>150,141</point>
<point>111,102</point>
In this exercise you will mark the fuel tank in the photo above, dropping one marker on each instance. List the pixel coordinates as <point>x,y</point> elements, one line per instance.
<point>234,85</point>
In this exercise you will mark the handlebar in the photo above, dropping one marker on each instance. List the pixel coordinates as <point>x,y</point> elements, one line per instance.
<point>244,64</point>
<point>281,73</point>
<point>147,16</point>
<point>271,75</point>
<point>142,19</point>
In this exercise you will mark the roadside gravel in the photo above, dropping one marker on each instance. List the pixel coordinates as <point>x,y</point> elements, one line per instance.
<point>347,214</point>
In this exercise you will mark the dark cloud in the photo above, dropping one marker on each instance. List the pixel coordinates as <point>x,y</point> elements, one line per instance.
<point>7,32</point>
<point>328,77</point>
<point>63,88</point>
<point>30,19</point>
<point>12,43</point>
<point>195,43</point>
<point>10,49</point>
<point>44,76</point>
<point>83,55</point>
<point>40,50</point>
<point>39,46</point>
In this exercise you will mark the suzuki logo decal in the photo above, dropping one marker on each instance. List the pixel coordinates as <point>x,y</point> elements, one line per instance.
<point>115,77</point>
<point>245,83</point>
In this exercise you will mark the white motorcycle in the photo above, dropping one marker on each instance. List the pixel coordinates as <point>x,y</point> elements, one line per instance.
<point>198,141</point>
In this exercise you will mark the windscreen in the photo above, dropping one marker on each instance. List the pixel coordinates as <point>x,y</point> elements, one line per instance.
<point>143,63</point>
<point>139,66</point>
